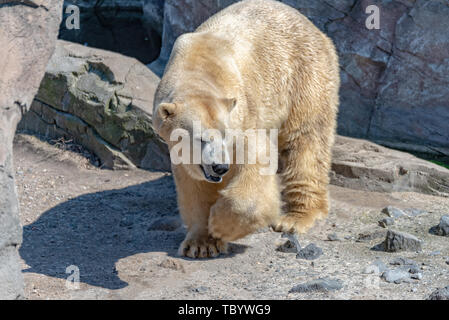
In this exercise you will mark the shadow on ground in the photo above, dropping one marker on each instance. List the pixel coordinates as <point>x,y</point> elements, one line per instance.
<point>94,231</point>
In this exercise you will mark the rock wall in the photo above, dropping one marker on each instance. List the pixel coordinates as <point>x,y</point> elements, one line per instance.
<point>129,27</point>
<point>27,38</point>
<point>395,80</point>
<point>103,101</point>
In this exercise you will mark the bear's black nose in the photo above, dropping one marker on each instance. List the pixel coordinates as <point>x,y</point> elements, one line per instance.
<point>220,169</point>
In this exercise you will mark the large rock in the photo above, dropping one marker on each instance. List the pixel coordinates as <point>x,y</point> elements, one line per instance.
<point>360,164</point>
<point>396,241</point>
<point>103,101</point>
<point>27,37</point>
<point>394,80</point>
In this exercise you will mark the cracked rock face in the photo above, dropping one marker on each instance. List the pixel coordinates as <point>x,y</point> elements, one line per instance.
<point>394,80</point>
<point>27,38</point>
<point>103,101</point>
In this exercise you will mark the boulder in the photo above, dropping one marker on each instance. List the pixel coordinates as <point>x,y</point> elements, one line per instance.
<point>360,164</point>
<point>27,38</point>
<point>103,101</point>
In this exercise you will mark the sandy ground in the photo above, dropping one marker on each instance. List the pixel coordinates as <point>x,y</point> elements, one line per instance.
<point>79,218</point>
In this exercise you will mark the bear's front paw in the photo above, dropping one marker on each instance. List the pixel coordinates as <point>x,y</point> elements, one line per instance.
<point>226,226</point>
<point>202,247</point>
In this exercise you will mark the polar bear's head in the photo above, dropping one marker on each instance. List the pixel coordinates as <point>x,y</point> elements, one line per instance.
<point>194,130</point>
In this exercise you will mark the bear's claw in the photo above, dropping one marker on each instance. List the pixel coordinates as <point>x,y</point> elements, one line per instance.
<point>296,224</point>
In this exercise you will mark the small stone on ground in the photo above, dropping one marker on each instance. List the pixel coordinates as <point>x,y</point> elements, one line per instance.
<point>323,285</point>
<point>393,212</point>
<point>440,294</point>
<point>385,222</point>
<point>442,229</point>
<point>333,237</point>
<point>311,252</point>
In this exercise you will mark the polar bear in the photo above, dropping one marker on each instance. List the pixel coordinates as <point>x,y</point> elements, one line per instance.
<point>258,64</point>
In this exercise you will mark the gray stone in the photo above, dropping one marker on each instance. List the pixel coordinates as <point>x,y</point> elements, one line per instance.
<point>333,237</point>
<point>400,261</point>
<point>293,238</point>
<point>311,252</point>
<point>413,212</point>
<point>377,267</point>
<point>440,294</point>
<point>385,222</point>
<point>27,39</point>
<point>395,276</point>
<point>393,212</point>
<point>322,285</point>
<point>413,269</point>
<point>400,241</point>
<point>165,224</point>
<point>442,229</point>
<point>287,247</point>
<point>200,289</point>
<point>102,101</point>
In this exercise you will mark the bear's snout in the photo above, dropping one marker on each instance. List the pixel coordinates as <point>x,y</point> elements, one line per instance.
<point>220,169</point>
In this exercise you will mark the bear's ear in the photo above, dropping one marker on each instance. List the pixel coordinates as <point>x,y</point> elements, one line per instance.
<point>166,110</point>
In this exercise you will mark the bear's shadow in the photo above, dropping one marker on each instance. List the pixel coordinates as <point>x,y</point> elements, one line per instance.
<point>94,231</point>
